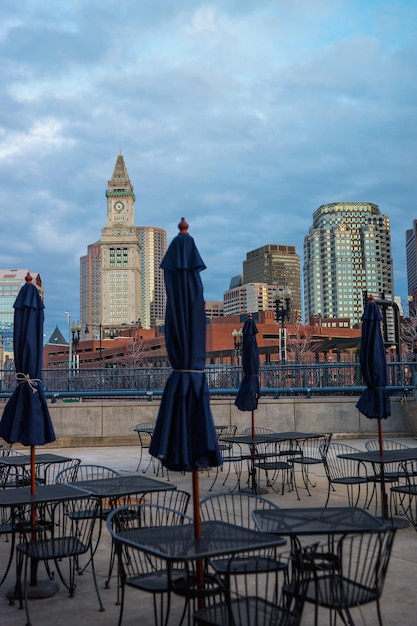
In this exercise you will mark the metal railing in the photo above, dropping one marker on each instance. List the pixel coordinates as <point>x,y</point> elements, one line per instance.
<point>288,379</point>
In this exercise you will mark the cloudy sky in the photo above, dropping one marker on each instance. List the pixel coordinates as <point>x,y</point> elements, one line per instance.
<point>243,116</point>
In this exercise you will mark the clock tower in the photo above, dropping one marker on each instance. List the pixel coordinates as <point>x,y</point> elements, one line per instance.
<point>120,253</point>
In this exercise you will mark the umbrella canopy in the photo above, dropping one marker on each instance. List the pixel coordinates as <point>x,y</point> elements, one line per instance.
<point>374,401</point>
<point>185,438</point>
<point>248,394</point>
<point>26,418</point>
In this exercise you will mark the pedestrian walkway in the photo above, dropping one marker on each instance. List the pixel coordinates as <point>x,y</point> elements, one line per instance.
<point>399,601</point>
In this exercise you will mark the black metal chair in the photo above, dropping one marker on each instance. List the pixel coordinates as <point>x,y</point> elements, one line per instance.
<point>47,473</point>
<point>308,456</point>
<point>392,471</point>
<point>260,594</point>
<point>67,535</point>
<point>348,472</point>
<point>357,578</point>
<point>404,494</point>
<point>275,460</point>
<point>174,499</point>
<point>231,454</point>
<point>136,569</point>
<point>236,508</point>
<point>89,471</point>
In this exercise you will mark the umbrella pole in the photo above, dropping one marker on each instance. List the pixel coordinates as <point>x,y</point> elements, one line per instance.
<point>197,535</point>
<point>384,498</point>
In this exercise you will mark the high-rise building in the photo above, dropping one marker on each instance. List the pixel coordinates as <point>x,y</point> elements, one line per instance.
<point>121,281</point>
<point>411,256</point>
<point>346,253</point>
<point>153,242</point>
<point>10,283</point>
<point>249,298</point>
<point>90,287</point>
<point>279,266</point>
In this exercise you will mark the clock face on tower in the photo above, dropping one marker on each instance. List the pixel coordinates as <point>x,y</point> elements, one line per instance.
<point>119,206</point>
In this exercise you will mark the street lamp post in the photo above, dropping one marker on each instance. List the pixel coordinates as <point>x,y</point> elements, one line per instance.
<point>75,332</point>
<point>87,331</point>
<point>237,341</point>
<point>69,320</point>
<point>282,313</point>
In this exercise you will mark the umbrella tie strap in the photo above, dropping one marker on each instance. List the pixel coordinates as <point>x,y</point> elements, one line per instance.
<point>25,378</point>
<point>190,371</point>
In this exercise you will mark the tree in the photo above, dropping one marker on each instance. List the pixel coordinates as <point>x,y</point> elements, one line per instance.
<point>300,343</point>
<point>134,354</point>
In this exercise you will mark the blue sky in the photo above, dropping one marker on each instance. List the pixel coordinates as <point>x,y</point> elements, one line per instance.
<point>243,116</point>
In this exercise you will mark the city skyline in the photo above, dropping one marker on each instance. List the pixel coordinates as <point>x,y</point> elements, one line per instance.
<point>242,117</point>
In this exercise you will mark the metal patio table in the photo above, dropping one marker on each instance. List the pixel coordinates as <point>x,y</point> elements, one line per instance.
<point>45,495</point>
<point>378,461</point>
<point>178,544</point>
<point>120,486</point>
<point>23,461</point>
<point>329,521</point>
<point>252,442</point>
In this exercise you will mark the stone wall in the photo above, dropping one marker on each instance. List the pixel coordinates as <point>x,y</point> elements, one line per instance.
<point>112,422</point>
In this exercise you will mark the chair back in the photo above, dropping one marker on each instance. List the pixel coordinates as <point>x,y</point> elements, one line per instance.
<point>313,448</point>
<point>84,471</point>
<point>337,468</point>
<point>260,594</point>
<point>234,508</point>
<point>387,444</point>
<point>176,499</point>
<point>144,437</point>
<point>226,430</point>
<point>362,564</point>
<point>259,430</point>
<point>49,472</point>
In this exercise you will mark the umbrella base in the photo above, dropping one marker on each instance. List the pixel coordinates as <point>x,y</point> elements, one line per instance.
<point>42,589</point>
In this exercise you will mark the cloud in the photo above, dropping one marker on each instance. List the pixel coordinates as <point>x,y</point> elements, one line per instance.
<point>242,116</point>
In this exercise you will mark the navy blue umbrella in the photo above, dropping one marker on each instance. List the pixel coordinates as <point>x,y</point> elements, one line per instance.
<point>185,438</point>
<point>249,391</point>
<point>26,418</point>
<point>374,402</point>
<point>248,394</point>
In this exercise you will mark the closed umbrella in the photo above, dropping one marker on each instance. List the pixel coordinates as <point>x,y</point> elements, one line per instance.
<point>185,438</point>
<point>26,418</point>
<point>374,402</point>
<point>249,390</point>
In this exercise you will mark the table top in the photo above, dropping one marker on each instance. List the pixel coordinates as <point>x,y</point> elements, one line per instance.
<point>44,493</point>
<point>268,437</point>
<point>122,485</point>
<point>21,460</point>
<point>316,521</point>
<point>389,456</point>
<point>178,543</point>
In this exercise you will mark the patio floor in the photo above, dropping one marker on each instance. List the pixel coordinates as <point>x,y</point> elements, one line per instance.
<point>399,601</point>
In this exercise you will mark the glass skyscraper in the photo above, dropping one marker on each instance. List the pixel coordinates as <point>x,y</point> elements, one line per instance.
<point>347,252</point>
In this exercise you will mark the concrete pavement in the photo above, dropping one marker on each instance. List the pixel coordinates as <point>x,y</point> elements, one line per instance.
<point>399,601</point>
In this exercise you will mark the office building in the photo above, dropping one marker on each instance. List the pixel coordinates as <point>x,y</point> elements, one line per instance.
<point>153,243</point>
<point>346,253</point>
<point>121,282</point>
<point>10,283</point>
<point>279,266</point>
<point>249,298</point>
<point>90,288</point>
<point>120,274</point>
<point>411,258</point>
